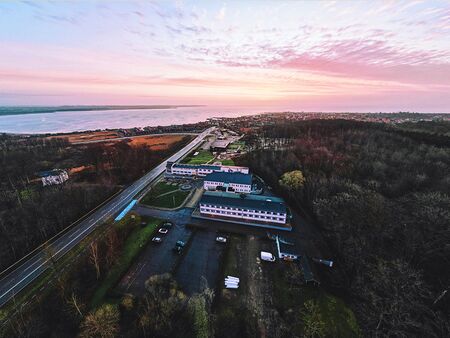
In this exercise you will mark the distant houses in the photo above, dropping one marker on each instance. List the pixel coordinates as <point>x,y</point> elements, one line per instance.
<point>53,177</point>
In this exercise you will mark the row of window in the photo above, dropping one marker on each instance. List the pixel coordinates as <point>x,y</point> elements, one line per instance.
<point>231,213</point>
<point>239,209</point>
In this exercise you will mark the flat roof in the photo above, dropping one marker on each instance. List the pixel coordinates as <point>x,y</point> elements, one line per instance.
<point>220,144</point>
<point>252,202</point>
<point>195,166</point>
<point>229,177</point>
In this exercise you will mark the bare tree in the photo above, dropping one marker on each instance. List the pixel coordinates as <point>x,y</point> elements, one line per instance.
<point>75,304</point>
<point>94,257</point>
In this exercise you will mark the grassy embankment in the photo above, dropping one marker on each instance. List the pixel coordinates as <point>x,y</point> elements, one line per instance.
<point>164,195</point>
<point>133,245</point>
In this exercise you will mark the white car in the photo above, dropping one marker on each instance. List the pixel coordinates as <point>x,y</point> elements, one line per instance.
<point>163,231</point>
<point>221,239</point>
<point>157,239</point>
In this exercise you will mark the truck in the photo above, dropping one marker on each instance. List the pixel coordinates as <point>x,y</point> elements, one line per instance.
<point>267,256</point>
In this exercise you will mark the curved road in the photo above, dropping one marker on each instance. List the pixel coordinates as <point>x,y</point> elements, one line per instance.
<point>27,272</point>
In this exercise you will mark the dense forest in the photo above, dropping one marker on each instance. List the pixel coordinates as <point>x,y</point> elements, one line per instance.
<point>380,197</point>
<point>31,213</point>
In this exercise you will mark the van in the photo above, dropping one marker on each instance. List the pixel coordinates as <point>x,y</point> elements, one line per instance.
<point>267,256</point>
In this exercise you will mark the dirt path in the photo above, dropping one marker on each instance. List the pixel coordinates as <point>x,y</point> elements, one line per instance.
<point>260,293</point>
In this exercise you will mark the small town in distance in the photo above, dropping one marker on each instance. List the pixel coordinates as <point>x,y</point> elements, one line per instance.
<point>224,169</point>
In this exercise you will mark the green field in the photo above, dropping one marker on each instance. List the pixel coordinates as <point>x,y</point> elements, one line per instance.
<point>165,195</point>
<point>203,156</point>
<point>134,244</point>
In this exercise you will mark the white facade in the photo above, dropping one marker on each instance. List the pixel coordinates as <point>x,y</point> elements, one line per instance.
<point>231,187</point>
<point>242,213</point>
<point>202,170</point>
<point>234,169</point>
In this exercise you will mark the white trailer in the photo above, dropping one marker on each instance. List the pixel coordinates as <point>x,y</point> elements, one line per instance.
<point>232,278</point>
<point>267,256</point>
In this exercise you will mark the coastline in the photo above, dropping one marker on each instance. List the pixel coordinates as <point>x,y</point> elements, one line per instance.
<point>26,110</point>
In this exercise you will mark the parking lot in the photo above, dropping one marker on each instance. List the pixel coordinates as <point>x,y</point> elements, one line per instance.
<point>157,258</point>
<point>200,265</point>
<point>195,268</point>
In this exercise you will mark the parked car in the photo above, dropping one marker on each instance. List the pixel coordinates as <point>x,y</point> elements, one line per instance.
<point>221,239</point>
<point>167,225</point>
<point>267,256</point>
<point>163,231</point>
<point>178,248</point>
<point>157,239</point>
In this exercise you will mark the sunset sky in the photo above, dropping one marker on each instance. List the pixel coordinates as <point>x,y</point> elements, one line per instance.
<point>305,55</point>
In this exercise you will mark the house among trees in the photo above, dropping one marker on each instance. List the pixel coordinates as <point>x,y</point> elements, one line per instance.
<point>52,177</point>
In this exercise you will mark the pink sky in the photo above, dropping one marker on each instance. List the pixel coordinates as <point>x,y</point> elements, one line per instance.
<point>312,55</point>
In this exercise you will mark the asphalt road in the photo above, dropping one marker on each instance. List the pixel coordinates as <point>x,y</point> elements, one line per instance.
<point>16,280</point>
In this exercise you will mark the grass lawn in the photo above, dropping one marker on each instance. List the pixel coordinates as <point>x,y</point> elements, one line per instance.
<point>170,201</point>
<point>134,244</point>
<point>165,195</point>
<point>202,157</point>
<point>161,188</point>
<point>227,162</point>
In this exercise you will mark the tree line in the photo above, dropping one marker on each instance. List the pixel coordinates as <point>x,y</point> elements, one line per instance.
<point>380,198</point>
<point>30,214</point>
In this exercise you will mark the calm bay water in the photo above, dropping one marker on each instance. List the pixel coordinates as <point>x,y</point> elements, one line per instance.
<point>61,122</point>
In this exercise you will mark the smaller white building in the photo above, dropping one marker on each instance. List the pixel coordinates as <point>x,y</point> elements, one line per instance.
<point>52,177</point>
<point>228,181</point>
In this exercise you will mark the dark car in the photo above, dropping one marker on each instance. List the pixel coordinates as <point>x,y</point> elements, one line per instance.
<point>178,248</point>
<point>167,225</point>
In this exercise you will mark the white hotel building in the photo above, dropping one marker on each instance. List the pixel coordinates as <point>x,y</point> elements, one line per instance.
<point>193,170</point>
<point>228,181</point>
<point>244,208</point>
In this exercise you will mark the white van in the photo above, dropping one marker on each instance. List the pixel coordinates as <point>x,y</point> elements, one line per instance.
<point>267,256</point>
